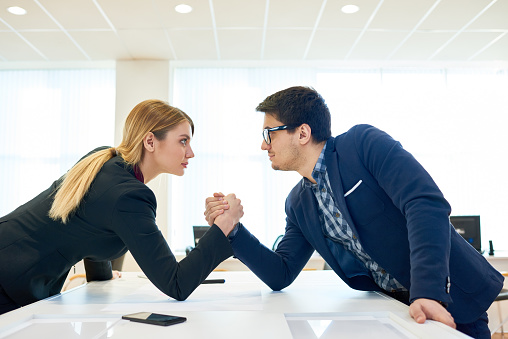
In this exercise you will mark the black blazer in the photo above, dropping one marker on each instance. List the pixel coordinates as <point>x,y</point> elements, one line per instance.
<point>116,215</point>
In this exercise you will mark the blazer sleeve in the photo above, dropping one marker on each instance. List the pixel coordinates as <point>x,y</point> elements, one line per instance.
<point>134,222</point>
<point>97,270</point>
<point>416,195</point>
<point>276,269</point>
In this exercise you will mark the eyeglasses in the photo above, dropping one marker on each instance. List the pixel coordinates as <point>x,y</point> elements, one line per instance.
<point>266,132</point>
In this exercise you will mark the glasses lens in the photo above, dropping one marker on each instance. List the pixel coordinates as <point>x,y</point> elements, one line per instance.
<point>266,136</point>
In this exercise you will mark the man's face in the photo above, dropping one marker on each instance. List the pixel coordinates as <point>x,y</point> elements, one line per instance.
<point>283,150</point>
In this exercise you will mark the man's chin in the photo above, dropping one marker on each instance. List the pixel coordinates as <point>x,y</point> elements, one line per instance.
<point>278,168</point>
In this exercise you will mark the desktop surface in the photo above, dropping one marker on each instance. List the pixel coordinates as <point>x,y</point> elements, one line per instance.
<point>317,305</point>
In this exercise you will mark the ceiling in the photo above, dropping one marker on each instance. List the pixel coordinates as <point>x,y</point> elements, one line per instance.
<point>391,30</point>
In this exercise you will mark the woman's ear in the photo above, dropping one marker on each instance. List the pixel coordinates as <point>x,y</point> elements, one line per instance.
<point>149,142</point>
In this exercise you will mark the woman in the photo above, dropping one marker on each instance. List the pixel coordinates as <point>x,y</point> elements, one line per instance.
<point>101,208</point>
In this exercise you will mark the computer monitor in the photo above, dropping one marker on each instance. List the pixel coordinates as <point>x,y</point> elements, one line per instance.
<point>468,226</point>
<point>199,231</point>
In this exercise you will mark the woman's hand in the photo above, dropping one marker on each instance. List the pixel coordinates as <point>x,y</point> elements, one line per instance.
<point>116,275</point>
<point>215,206</point>
<point>225,218</point>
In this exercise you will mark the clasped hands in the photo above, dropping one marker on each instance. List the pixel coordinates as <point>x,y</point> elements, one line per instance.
<point>223,211</point>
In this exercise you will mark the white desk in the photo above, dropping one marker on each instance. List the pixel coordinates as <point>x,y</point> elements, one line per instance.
<point>93,311</point>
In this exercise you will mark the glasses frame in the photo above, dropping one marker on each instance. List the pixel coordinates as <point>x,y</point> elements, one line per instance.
<point>266,132</point>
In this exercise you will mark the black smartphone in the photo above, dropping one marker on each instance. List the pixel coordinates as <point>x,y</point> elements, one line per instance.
<point>154,318</point>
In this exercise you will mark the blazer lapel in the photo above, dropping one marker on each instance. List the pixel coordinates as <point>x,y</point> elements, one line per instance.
<point>312,230</point>
<point>332,160</point>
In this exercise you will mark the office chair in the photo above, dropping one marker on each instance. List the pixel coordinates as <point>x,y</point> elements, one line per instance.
<point>503,295</point>
<point>81,276</point>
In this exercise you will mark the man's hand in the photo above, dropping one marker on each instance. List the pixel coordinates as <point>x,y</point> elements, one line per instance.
<point>215,206</point>
<point>229,218</point>
<point>423,309</point>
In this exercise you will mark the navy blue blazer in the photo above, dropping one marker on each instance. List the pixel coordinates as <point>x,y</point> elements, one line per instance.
<point>401,218</point>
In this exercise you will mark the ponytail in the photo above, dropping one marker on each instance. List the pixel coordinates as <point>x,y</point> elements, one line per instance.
<point>154,116</point>
<point>76,183</point>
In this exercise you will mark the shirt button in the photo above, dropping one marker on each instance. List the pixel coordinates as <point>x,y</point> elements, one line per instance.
<point>337,215</point>
<point>354,236</point>
<point>383,272</point>
<point>323,190</point>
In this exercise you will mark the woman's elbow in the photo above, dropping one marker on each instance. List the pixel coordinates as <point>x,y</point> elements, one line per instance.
<point>180,297</point>
<point>277,286</point>
<point>178,294</point>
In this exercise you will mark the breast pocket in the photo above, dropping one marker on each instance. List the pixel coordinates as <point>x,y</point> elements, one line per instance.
<point>363,204</point>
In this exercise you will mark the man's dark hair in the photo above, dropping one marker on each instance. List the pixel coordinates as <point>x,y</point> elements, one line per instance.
<point>299,105</point>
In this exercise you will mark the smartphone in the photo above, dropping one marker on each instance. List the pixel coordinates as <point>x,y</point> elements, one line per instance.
<point>154,318</point>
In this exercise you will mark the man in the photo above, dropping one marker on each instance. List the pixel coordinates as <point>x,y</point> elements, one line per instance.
<point>371,211</point>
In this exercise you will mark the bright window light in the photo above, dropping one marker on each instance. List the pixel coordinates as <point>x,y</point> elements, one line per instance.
<point>449,119</point>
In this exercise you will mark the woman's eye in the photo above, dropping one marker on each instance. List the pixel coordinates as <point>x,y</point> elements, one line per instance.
<point>184,142</point>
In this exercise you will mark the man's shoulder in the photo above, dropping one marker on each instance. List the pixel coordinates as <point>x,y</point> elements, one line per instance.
<point>356,135</point>
<point>357,130</point>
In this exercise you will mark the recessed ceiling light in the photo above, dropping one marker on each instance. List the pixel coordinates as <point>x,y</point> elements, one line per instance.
<point>183,8</point>
<point>16,10</point>
<point>349,9</point>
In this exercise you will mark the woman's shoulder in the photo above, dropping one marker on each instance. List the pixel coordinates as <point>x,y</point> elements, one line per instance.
<point>116,180</point>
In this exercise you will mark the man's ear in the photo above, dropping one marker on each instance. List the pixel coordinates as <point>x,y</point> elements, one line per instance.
<point>149,142</point>
<point>305,133</point>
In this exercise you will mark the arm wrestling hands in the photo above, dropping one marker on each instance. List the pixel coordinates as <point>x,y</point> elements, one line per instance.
<point>223,211</point>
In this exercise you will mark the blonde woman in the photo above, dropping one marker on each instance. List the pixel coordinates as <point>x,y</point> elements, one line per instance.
<point>101,208</point>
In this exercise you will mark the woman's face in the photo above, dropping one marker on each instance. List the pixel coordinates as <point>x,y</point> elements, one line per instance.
<point>172,154</point>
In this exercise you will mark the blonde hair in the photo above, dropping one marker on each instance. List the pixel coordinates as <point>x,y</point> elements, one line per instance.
<point>153,116</point>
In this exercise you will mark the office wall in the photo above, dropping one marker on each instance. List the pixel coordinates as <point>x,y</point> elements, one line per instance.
<point>137,81</point>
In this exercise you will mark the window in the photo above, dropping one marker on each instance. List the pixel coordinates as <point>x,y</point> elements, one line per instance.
<point>449,119</point>
<point>49,119</point>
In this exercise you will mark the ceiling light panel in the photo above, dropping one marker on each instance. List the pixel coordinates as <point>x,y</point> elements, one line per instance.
<point>76,14</point>
<point>496,17</point>
<point>291,13</point>
<point>440,18</point>
<point>466,43</point>
<point>134,14</point>
<point>497,51</point>
<point>421,45</point>
<point>248,13</point>
<point>55,45</point>
<point>405,15</point>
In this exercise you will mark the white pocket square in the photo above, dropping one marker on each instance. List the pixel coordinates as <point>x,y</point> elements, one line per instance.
<point>354,187</point>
